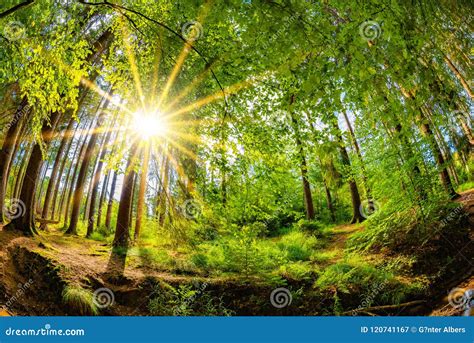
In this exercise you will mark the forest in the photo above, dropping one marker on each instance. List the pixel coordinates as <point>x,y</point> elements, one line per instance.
<point>236,157</point>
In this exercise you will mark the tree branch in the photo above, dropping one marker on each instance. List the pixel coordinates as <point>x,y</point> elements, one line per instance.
<point>16,8</point>
<point>169,29</point>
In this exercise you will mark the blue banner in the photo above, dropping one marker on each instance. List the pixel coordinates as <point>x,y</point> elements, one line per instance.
<point>237,329</point>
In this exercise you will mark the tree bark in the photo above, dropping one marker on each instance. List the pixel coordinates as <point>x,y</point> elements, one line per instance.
<point>308,198</point>
<point>108,216</point>
<point>103,194</point>
<point>81,144</point>
<point>9,143</point>
<point>55,171</point>
<point>95,181</point>
<point>437,154</point>
<point>122,235</point>
<point>80,183</point>
<point>26,222</point>
<point>142,190</point>
<point>357,216</point>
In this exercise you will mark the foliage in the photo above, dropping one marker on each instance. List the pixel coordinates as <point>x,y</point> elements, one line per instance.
<point>186,300</point>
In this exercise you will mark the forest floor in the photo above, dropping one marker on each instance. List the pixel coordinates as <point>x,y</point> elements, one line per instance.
<point>35,271</point>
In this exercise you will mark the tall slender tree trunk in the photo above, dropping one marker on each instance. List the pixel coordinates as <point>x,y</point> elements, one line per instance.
<point>459,76</point>
<point>60,173</point>
<point>6,154</point>
<point>108,216</point>
<point>164,193</point>
<point>80,183</point>
<point>21,171</point>
<point>354,190</point>
<point>26,222</point>
<point>438,155</point>
<point>365,180</point>
<point>103,194</point>
<point>81,145</point>
<point>55,171</point>
<point>308,198</point>
<point>142,190</point>
<point>122,234</point>
<point>96,179</point>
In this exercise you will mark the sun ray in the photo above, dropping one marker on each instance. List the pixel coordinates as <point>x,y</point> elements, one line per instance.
<point>156,71</point>
<point>132,61</point>
<point>213,97</point>
<point>187,48</point>
<point>188,89</point>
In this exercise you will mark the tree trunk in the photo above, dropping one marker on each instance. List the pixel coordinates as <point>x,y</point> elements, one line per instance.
<point>103,194</point>
<point>308,198</point>
<point>21,171</point>
<point>164,193</point>
<point>354,190</point>
<point>80,183</point>
<point>26,222</point>
<point>55,171</point>
<point>81,144</point>
<point>60,173</point>
<point>142,190</point>
<point>368,191</point>
<point>122,235</point>
<point>457,73</point>
<point>437,154</point>
<point>95,181</point>
<point>108,216</point>
<point>6,154</point>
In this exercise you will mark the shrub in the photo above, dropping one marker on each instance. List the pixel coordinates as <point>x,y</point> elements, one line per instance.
<point>186,300</point>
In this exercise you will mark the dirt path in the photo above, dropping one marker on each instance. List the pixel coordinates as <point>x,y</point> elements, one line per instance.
<point>340,235</point>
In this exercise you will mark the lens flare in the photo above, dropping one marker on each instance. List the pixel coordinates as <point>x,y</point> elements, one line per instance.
<point>149,125</point>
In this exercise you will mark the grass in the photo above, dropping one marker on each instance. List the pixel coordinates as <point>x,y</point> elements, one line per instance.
<point>79,300</point>
<point>466,186</point>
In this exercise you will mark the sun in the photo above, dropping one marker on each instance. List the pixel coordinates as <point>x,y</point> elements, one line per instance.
<point>149,125</point>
